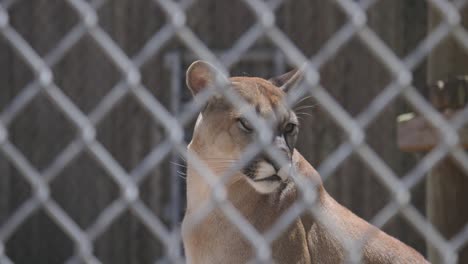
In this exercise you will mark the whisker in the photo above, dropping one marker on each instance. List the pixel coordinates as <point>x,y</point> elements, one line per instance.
<point>178,164</point>
<point>225,164</point>
<point>181,157</point>
<point>220,169</point>
<point>303,99</point>
<point>305,107</point>
<point>182,175</point>
<point>303,113</point>
<point>220,159</point>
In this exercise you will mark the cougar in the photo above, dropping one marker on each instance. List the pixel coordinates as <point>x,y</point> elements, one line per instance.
<point>262,191</point>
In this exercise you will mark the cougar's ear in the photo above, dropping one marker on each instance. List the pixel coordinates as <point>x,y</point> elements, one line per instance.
<point>288,80</point>
<point>201,75</point>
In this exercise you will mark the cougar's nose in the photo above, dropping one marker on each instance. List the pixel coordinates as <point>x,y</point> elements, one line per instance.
<point>280,143</point>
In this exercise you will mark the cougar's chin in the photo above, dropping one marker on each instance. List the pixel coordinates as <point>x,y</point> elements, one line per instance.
<point>266,179</point>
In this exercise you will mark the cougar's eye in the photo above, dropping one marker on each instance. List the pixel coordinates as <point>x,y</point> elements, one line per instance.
<point>244,125</point>
<point>289,128</point>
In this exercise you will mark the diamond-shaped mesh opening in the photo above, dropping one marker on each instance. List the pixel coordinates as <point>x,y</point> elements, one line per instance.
<point>80,74</point>
<point>420,77</point>
<point>417,133</point>
<point>158,79</point>
<point>293,14</point>
<point>36,21</point>
<point>33,242</point>
<point>15,74</point>
<point>83,189</point>
<point>447,193</point>
<point>154,190</point>
<point>131,24</point>
<point>41,131</point>
<point>418,200</point>
<point>382,135</point>
<point>127,240</point>
<point>319,136</point>
<point>409,24</point>
<point>354,186</point>
<point>217,27</point>
<point>357,86</point>
<point>129,132</point>
<point>418,196</point>
<point>455,64</point>
<point>14,188</point>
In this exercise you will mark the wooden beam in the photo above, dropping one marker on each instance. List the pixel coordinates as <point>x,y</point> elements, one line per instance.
<point>415,133</point>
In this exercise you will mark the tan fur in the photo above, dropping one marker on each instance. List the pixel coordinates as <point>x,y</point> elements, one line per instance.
<point>308,239</point>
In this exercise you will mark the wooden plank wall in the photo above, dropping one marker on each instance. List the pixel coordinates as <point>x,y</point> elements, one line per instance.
<point>353,77</point>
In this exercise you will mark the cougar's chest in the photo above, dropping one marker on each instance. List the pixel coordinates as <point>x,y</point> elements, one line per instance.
<point>216,239</point>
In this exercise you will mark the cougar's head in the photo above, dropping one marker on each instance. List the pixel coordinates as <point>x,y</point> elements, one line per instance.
<point>222,132</point>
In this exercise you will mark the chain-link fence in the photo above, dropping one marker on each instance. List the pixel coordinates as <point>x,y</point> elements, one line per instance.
<point>173,119</point>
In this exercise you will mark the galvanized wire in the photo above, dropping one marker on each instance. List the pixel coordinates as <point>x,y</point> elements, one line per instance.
<point>130,83</point>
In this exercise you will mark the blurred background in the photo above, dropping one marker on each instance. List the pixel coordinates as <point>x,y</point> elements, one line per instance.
<point>354,76</point>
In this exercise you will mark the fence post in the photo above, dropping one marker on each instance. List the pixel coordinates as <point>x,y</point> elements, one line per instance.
<point>447,185</point>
